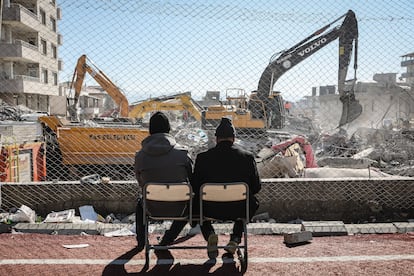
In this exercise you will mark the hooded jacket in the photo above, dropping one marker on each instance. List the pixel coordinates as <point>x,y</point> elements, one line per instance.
<point>161,159</point>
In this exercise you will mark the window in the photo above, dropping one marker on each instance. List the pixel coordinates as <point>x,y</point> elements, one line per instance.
<point>43,16</point>
<point>32,72</point>
<point>54,51</point>
<point>44,76</point>
<point>55,78</point>
<point>43,46</point>
<point>53,24</point>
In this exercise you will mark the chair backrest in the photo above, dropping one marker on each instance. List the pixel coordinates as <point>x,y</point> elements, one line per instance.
<point>224,201</point>
<point>164,201</point>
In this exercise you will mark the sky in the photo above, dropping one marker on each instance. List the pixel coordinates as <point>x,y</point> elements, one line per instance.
<point>154,48</point>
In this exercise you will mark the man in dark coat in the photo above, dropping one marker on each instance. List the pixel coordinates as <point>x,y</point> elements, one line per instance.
<point>226,163</point>
<point>160,159</point>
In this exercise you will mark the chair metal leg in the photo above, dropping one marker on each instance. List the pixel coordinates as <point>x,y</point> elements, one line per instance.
<point>244,257</point>
<point>147,248</point>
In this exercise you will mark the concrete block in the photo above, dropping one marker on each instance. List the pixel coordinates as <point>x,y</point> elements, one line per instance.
<point>297,237</point>
<point>325,228</point>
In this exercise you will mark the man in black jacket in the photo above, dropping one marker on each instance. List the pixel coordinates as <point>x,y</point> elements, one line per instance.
<point>226,163</point>
<point>161,159</point>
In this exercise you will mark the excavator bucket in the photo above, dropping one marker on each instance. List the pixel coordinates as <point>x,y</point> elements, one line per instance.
<point>351,109</point>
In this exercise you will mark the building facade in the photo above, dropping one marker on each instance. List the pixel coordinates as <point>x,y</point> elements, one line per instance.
<point>29,60</point>
<point>387,102</point>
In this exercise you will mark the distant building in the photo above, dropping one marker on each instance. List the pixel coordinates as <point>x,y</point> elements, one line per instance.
<point>93,102</point>
<point>210,98</point>
<point>29,63</point>
<point>408,61</point>
<point>385,102</point>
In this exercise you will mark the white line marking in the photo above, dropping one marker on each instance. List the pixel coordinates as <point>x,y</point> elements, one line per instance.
<point>201,261</point>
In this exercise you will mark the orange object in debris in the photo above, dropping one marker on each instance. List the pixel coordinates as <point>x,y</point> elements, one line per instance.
<point>288,105</point>
<point>23,162</point>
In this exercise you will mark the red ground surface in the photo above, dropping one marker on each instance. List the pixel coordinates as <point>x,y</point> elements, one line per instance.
<point>37,254</point>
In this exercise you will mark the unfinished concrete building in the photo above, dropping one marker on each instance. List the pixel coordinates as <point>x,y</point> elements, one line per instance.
<point>387,102</point>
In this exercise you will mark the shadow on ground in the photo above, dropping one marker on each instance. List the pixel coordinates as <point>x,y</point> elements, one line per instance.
<point>165,265</point>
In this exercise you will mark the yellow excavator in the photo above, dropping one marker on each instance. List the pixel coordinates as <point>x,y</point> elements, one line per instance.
<point>85,65</point>
<point>235,107</point>
<point>180,102</point>
<point>75,150</point>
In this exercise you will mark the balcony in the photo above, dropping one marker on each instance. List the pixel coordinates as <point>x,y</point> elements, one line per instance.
<point>407,75</point>
<point>19,50</point>
<point>20,17</point>
<point>406,63</point>
<point>26,84</point>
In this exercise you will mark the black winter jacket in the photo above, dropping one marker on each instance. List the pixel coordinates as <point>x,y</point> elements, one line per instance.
<point>227,163</point>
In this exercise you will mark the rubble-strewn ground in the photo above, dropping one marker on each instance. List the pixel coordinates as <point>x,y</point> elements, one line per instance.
<point>342,154</point>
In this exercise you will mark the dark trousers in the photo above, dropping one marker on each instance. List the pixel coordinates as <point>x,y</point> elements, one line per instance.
<point>177,226</point>
<point>207,229</point>
<point>226,212</point>
<point>169,236</point>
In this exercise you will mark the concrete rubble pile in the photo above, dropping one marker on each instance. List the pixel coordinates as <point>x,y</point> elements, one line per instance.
<point>12,113</point>
<point>124,224</point>
<point>388,151</point>
<point>366,153</point>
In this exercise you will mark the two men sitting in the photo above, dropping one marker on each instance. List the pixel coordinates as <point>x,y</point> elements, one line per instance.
<point>162,159</point>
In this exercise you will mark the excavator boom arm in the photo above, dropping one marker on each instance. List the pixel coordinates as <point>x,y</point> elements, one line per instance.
<point>348,39</point>
<point>82,67</point>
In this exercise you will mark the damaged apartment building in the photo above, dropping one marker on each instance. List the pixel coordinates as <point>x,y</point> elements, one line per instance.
<point>29,61</point>
<point>387,101</point>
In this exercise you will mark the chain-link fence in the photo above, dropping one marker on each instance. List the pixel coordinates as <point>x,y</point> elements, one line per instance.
<point>326,84</point>
<point>351,199</point>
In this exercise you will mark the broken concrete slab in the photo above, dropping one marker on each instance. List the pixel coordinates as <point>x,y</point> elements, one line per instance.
<point>297,237</point>
<point>325,172</point>
<point>345,162</point>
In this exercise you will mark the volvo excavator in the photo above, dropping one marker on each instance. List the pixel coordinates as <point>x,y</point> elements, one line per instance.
<point>347,33</point>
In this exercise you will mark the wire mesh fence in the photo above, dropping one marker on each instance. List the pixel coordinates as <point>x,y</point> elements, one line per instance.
<point>285,200</point>
<point>324,85</point>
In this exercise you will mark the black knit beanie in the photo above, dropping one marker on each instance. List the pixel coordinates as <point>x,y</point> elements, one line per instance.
<point>225,128</point>
<point>159,123</point>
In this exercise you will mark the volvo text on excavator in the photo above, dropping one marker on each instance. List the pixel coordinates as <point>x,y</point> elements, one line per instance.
<point>85,65</point>
<point>347,33</point>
